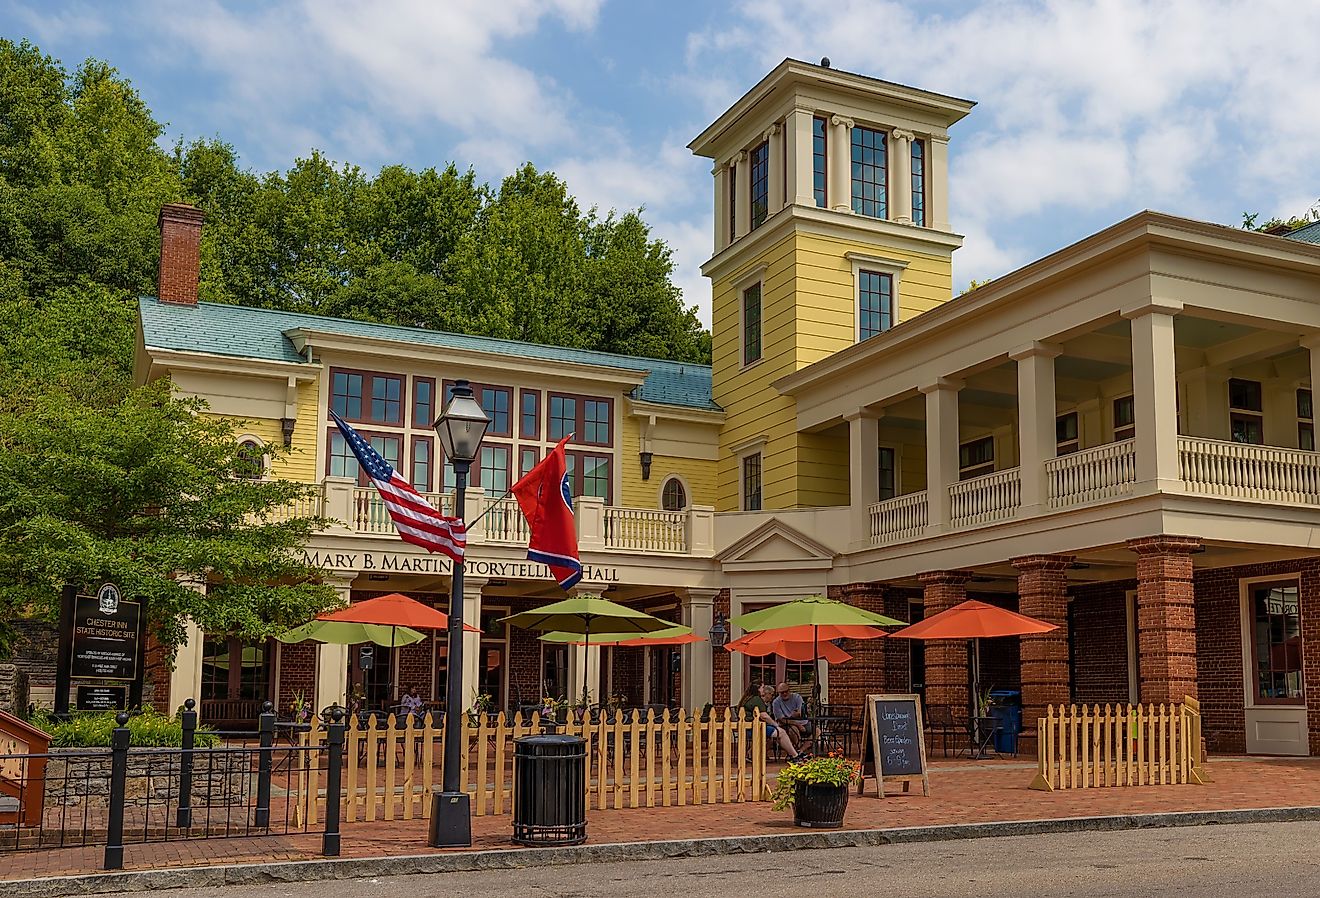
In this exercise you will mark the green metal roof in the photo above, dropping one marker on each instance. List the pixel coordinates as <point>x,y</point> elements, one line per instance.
<point>260,334</point>
<point>1306,233</point>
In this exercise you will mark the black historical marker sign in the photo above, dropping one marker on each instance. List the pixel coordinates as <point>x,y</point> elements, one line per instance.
<point>102,698</point>
<point>105,643</point>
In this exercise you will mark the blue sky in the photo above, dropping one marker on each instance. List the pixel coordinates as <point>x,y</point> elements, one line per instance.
<point>1089,110</point>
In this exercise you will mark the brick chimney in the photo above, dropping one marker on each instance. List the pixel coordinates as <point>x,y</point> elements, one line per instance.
<point>180,244</point>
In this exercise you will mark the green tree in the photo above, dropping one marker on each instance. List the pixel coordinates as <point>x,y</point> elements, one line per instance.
<point>1281,225</point>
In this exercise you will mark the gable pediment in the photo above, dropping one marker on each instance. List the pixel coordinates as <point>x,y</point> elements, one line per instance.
<point>775,546</point>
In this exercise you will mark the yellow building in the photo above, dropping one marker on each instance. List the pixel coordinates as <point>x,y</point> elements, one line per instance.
<point>1117,438</point>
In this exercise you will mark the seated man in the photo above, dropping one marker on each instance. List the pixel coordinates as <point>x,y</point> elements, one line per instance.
<point>774,731</point>
<point>790,712</point>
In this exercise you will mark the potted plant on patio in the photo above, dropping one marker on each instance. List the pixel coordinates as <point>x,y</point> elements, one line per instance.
<point>817,789</point>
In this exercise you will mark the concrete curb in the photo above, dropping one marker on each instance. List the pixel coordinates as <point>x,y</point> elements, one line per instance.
<point>455,862</point>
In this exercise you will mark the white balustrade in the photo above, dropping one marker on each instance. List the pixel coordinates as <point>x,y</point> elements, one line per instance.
<point>504,522</point>
<point>1243,470</point>
<point>644,530</point>
<point>985,499</point>
<point>1092,475</point>
<point>903,517</point>
<point>303,507</point>
<point>371,516</point>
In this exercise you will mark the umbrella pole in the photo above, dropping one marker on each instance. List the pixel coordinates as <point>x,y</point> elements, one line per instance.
<point>815,682</point>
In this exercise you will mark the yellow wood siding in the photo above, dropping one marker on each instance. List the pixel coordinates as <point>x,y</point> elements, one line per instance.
<point>698,475</point>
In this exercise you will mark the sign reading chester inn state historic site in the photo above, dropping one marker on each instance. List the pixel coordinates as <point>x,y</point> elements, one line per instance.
<point>394,563</point>
<point>105,640</point>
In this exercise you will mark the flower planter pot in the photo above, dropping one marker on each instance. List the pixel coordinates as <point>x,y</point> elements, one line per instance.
<point>819,806</point>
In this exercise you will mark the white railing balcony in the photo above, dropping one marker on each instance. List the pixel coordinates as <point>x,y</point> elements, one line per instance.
<point>504,522</point>
<point>1092,475</point>
<point>370,515</point>
<point>312,506</point>
<point>985,499</point>
<point>645,530</point>
<point>1246,471</point>
<point>900,518</point>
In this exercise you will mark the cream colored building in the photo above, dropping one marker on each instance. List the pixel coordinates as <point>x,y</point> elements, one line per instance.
<point>1117,438</point>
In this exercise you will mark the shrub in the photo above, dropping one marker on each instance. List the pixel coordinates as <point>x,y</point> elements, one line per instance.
<point>834,770</point>
<point>150,729</point>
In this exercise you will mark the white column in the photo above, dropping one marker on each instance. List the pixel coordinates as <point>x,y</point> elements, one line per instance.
<point>941,447</point>
<point>721,175</point>
<point>186,678</point>
<point>1155,396</point>
<point>839,164</point>
<point>1206,414</point>
<point>743,201</point>
<point>584,661</point>
<point>332,662</point>
<point>775,175</point>
<point>1036,416</point>
<point>798,157</point>
<point>1312,345</point>
<point>699,657</point>
<point>472,660</point>
<point>937,183</point>
<point>863,471</point>
<point>900,168</point>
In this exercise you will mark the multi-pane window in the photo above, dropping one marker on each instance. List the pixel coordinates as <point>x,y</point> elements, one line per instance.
<point>388,449</point>
<point>1065,434</point>
<point>1305,421</point>
<point>529,427</point>
<point>673,497</point>
<point>563,416</point>
<point>233,669</point>
<point>751,310</point>
<point>423,402</point>
<point>976,458</point>
<point>760,183</point>
<point>494,473</point>
<point>1277,643</point>
<point>819,127</point>
<point>386,399</point>
<point>888,473</point>
<point>595,476</point>
<point>1246,419</point>
<point>346,395</point>
<point>495,403</point>
<point>875,303</point>
<point>919,183</point>
<point>527,460</point>
<point>733,202</point>
<point>751,482</point>
<point>251,460</point>
<point>421,464</point>
<point>869,190</point>
<point>1125,418</point>
<point>342,461</point>
<point>596,422</point>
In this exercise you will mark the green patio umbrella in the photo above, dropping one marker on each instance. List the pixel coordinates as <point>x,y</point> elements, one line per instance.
<point>815,612</point>
<point>588,616</point>
<point>349,633</point>
<point>673,634</point>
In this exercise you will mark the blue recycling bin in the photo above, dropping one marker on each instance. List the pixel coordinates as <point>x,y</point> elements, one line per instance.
<point>1007,712</point>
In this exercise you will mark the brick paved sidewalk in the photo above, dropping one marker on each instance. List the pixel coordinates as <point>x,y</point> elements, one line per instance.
<point>960,793</point>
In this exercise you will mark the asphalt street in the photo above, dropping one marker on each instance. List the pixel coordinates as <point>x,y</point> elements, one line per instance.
<point>1217,861</point>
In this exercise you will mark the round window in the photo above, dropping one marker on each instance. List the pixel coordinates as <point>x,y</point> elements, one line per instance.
<point>251,460</point>
<point>673,497</point>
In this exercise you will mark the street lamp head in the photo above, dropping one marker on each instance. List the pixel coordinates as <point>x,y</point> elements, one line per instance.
<point>462,425</point>
<point>719,632</point>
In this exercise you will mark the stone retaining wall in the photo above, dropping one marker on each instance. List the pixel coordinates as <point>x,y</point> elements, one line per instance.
<point>223,779</point>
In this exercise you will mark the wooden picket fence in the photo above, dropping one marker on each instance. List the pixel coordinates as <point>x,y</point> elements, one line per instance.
<point>1119,745</point>
<point>646,759</point>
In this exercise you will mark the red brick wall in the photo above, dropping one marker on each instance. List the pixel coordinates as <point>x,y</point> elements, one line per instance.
<point>1166,617</point>
<point>415,668</point>
<point>629,674</point>
<point>946,660</point>
<point>180,247</point>
<point>898,652</point>
<point>1099,635</point>
<point>297,674</point>
<point>1043,594</point>
<point>853,680</point>
<point>720,673</point>
<point>1001,662</point>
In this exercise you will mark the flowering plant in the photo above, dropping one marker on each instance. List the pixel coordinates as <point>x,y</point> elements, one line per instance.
<point>300,708</point>
<point>832,770</point>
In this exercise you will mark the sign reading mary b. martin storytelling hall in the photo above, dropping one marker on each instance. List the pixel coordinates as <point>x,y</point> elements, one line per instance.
<point>105,643</point>
<point>395,563</point>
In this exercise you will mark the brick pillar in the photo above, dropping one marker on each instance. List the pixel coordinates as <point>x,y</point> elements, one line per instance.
<point>865,674</point>
<point>1043,594</point>
<point>1166,617</point>
<point>946,659</point>
<point>720,662</point>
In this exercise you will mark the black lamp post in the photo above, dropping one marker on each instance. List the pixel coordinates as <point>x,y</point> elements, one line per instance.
<point>460,428</point>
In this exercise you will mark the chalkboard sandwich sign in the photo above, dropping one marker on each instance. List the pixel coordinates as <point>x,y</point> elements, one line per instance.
<point>893,743</point>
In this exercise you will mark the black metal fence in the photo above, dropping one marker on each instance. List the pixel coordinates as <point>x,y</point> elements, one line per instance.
<point>125,795</point>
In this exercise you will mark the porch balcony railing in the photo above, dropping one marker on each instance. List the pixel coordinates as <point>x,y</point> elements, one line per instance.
<point>899,518</point>
<point>1092,475</point>
<point>646,530</point>
<point>985,499</point>
<point>312,506</point>
<point>1242,470</point>
<point>504,522</point>
<point>370,516</point>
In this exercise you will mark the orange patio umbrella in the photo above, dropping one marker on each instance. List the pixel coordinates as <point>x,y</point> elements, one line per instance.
<point>394,610</point>
<point>771,642</point>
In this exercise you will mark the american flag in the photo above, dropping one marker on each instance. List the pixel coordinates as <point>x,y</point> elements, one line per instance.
<point>416,519</point>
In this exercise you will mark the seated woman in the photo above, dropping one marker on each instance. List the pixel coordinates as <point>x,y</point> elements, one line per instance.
<point>774,731</point>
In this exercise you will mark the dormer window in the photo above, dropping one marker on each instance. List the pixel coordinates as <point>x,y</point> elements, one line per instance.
<point>869,184</point>
<point>760,183</point>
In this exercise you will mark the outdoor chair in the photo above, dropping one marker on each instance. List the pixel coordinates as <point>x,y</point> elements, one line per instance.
<point>940,722</point>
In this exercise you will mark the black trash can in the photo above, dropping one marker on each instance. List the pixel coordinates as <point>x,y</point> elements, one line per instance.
<point>550,790</point>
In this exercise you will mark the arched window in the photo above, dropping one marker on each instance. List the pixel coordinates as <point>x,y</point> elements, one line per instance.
<point>673,497</point>
<point>251,460</point>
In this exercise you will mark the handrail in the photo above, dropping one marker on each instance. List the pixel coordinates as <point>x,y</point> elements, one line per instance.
<point>902,517</point>
<point>985,499</point>
<point>1092,475</point>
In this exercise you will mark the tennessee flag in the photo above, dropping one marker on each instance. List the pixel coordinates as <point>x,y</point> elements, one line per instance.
<point>545,499</point>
